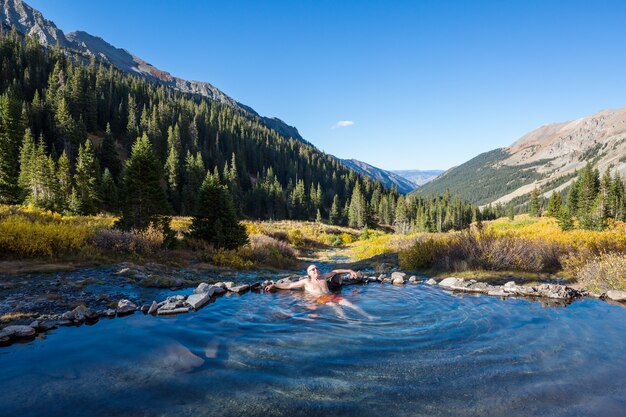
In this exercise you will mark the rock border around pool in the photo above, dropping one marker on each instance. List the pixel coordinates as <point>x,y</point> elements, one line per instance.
<point>205,293</point>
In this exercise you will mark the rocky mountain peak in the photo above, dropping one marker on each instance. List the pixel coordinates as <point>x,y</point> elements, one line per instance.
<point>31,22</point>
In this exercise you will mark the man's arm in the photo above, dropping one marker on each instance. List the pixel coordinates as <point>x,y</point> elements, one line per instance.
<point>340,271</point>
<point>286,285</point>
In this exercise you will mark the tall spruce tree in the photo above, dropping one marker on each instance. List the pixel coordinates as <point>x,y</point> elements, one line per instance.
<point>143,199</point>
<point>215,220</point>
<point>11,134</point>
<point>86,179</point>
<point>534,206</point>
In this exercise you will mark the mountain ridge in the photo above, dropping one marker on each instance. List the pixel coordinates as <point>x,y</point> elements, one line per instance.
<point>387,178</point>
<point>546,158</point>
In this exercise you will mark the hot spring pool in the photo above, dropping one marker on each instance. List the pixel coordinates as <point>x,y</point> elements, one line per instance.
<point>427,352</point>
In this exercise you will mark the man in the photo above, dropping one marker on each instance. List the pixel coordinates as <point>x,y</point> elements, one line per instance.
<point>315,284</point>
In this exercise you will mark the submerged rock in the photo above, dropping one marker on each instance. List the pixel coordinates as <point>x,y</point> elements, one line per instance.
<point>179,358</point>
<point>178,310</point>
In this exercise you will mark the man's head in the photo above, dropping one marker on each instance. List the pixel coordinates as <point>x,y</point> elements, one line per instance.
<point>312,271</point>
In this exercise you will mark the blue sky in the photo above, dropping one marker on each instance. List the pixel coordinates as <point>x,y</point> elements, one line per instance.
<point>418,84</point>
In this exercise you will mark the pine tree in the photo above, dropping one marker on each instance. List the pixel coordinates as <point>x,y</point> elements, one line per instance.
<point>334,217</point>
<point>27,161</point>
<point>402,223</point>
<point>534,208</point>
<point>11,135</point>
<point>143,200</point>
<point>66,188</point>
<point>109,158</point>
<point>554,205</point>
<point>194,174</point>
<point>565,219</point>
<point>108,192</point>
<point>86,179</point>
<point>215,220</point>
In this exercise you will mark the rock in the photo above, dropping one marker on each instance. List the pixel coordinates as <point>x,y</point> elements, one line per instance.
<point>413,279</point>
<point>202,288</point>
<point>125,307</point>
<point>499,293</point>
<point>80,314</point>
<point>431,282</point>
<point>178,358</point>
<point>256,286</point>
<point>336,281</point>
<point>109,312</point>
<point>4,340</point>
<point>196,301</point>
<point>381,277</point>
<point>144,308</point>
<point>217,290</point>
<point>153,308</point>
<point>616,295</point>
<point>170,305</point>
<point>123,271</point>
<point>239,288</point>
<point>47,325</point>
<point>220,285</point>
<point>17,331</point>
<point>34,325</point>
<point>398,280</point>
<point>178,310</point>
<point>452,282</point>
<point>228,284</point>
<point>510,284</point>
<point>396,275</point>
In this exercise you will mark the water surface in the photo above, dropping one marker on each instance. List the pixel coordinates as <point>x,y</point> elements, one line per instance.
<point>427,352</point>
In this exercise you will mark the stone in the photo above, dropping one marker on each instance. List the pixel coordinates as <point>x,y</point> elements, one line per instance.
<point>144,308</point>
<point>80,314</point>
<point>451,282</point>
<point>499,293</point>
<point>616,295</point>
<point>203,287</point>
<point>413,279</point>
<point>169,306</point>
<point>431,282</point>
<point>109,312</point>
<point>396,275</point>
<point>178,358</point>
<point>18,331</point>
<point>153,308</point>
<point>47,325</point>
<point>510,284</point>
<point>125,307</point>
<point>220,284</point>
<point>398,280</point>
<point>239,288</point>
<point>256,286</point>
<point>228,284</point>
<point>217,289</point>
<point>196,301</point>
<point>178,310</point>
<point>381,277</point>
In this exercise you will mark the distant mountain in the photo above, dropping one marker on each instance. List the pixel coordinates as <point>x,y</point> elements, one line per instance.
<point>29,21</point>
<point>417,176</point>
<point>387,178</point>
<point>547,158</point>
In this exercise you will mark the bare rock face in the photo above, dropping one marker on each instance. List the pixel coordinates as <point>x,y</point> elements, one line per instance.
<point>616,295</point>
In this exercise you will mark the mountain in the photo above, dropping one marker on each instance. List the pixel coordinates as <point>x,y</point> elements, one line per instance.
<point>29,21</point>
<point>547,158</point>
<point>387,178</point>
<point>418,177</point>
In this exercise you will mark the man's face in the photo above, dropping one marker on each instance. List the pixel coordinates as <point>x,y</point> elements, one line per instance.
<point>313,271</point>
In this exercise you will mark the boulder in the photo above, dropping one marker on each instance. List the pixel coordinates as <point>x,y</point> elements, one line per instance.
<point>398,280</point>
<point>431,282</point>
<point>196,301</point>
<point>80,314</point>
<point>220,284</point>
<point>413,279</point>
<point>125,307</point>
<point>217,290</point>
<point>153,308</point>
<point>239,288</point>
<point>203,287</point>
<point>17,331</point>
<point>616,295</point>
<point>452,282</point>
<point>109,312</point>
<point>229,284</point>
<point>396,275</point>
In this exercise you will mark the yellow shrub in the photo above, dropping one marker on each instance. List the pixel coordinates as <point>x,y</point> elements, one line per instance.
<point>21,236</point>
<point>231,259</point>
<point>295,237</point>
<point>346,238</point>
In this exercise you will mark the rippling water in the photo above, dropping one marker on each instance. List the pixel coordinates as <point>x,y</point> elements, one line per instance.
<point>426,352</point>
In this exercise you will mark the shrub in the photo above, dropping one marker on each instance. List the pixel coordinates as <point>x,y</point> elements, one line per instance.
<point>422,254</point>
<point>295,237</point>
<point>115,241</point>
<point>604,272</point>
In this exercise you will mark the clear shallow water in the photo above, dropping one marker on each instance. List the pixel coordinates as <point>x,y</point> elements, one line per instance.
<point>427,353</point>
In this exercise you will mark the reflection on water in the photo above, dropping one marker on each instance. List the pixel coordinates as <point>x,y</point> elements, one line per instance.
<point>426,352</point>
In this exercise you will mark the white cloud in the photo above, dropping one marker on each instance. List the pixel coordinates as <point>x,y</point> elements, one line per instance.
<point>342,123</point>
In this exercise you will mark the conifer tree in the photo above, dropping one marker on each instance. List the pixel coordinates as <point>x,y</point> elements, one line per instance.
<point>534,208</point>
<point>402,223</point>
<point>86,179</point>
<point>143,200</point>
<point>215,220</point>
<point>108,192</point>
<point>109,158</point>
<point>65,186</point>
<point>11,134</point>
<point>27,161</point>
<point>334,217</point>
<point>554,205</point>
